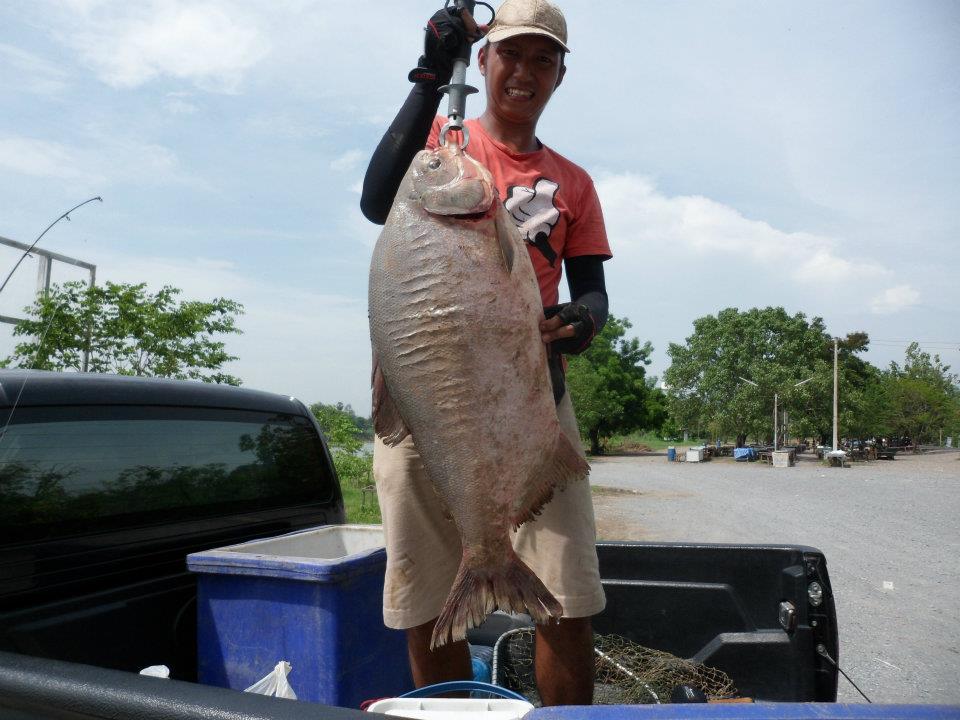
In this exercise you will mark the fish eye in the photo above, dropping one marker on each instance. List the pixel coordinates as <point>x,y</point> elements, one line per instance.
<point>434,163</point>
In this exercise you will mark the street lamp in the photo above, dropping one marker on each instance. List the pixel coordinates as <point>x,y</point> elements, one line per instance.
<point>776,442</point>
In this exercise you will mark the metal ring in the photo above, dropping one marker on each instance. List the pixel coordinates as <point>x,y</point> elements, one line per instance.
<point>493,14</point>
<point>464,130</point>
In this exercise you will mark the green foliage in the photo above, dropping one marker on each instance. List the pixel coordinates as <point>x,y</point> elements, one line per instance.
<point>867,410</point>
<point>356,482</point>
<point>708,394</point>
<point>608,388</point>
<point>776,351</point>
<point>638,440</point>
<point>127,331</point>
<point>361,504</point>
<point>345,433</point>
<point>339,425</point>
<point>923,397</point>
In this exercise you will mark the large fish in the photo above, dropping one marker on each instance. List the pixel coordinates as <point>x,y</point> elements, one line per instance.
<point>459,364</point>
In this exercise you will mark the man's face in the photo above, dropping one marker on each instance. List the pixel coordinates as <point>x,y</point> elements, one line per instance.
<point>521,74</point>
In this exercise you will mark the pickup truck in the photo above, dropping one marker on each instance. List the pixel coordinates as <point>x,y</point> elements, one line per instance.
<point>107,483</point>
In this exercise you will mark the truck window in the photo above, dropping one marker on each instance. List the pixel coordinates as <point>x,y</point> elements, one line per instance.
<point>68,470</point>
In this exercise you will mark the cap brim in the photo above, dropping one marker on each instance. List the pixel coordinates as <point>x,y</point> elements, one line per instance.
<point>498,34</point>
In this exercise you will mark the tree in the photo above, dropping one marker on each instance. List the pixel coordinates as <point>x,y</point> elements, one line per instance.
<point>923,395</point>
<point>128,331</point>
<point>339,425</point>
<point>607,385</point>
<point>767,346</point>
<point>345,434</point>
<point>871,411</point>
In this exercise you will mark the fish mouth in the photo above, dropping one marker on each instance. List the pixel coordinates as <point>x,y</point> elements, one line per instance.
<point>467,216</point>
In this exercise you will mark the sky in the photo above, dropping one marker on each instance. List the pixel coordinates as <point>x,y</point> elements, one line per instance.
<point>746,154</point>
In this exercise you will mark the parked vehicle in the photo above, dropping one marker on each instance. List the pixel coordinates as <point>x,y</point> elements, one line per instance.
<point>108,482</point>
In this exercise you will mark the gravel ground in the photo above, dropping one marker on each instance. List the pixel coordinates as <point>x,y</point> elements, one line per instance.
<point>890,531</point>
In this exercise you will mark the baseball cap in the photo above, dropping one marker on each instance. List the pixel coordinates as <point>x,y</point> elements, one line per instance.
<point>529,17</point>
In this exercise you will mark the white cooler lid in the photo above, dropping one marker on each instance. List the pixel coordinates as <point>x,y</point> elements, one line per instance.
<point>452,708</point>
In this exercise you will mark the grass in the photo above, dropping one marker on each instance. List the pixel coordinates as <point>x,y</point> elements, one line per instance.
<point>361,507</point>
<point>644,442</point>
<point>356,484</point>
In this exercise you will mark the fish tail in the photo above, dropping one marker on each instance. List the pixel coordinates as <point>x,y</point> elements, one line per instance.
<point>478,591</point>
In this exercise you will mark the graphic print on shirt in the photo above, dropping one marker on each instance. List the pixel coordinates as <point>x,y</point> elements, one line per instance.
<point>535,213</point>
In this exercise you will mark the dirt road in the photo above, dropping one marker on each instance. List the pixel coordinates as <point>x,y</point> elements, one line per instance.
<point>890,531</point>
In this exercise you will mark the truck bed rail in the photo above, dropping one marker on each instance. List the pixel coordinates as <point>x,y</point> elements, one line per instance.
<point>40,688</point>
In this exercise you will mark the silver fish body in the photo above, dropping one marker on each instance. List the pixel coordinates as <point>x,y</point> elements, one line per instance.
<point>459,364</point>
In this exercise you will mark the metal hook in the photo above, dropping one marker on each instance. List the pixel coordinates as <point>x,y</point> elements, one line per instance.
<point>463,129</point>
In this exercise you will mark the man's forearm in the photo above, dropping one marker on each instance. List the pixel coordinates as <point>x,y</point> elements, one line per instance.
<point>406,136</point>
<point>588,286</point>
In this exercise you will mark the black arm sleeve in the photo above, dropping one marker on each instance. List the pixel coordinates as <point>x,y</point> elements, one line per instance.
<point>405,138</point>
<point>587,286</point>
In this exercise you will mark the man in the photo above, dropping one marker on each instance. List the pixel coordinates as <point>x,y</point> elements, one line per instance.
<point>556,209</point>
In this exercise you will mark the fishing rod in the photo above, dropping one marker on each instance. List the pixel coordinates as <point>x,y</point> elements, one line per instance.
<point>64,216</point>
<point>46,329</point>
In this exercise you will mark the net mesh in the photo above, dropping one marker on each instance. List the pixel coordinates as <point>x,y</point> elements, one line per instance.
<point>626,673</point>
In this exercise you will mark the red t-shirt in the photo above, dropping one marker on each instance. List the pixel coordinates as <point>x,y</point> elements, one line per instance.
<point>552,201</point>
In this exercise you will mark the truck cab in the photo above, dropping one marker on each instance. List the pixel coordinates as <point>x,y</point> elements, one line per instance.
<point>107,483</point>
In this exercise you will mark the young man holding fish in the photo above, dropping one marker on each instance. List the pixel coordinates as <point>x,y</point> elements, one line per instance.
<point>555,207</point>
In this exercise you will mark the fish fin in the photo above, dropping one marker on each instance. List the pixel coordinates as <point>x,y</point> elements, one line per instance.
<point>565,465</point>
<point>478,591</point>
<point>387,421</point>
<point>506,231</point>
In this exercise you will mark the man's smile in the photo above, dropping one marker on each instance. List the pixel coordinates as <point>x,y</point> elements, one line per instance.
<point>519,93</point>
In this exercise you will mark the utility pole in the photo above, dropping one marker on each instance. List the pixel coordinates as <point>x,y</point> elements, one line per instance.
<point>776,444</point>
<point>776,399</point>
<point>836,395</point>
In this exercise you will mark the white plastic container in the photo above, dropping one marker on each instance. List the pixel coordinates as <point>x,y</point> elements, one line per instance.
<point>695,454</point>
<point>330,542</point>
<point>452,708</point>
<point>783,458</point>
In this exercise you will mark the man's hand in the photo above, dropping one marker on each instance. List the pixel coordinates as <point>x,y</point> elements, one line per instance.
<point>446,32</point>
<point>568,328</point>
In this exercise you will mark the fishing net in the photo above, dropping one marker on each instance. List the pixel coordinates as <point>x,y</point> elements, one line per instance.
<point>626,673</point>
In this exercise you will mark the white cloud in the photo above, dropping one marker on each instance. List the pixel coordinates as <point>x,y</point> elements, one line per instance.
<point>894,299</point>
<point>30,72</point>
<point>177,104</point>
<point>210,44</point>
<point>642,219</point>
<point>355,226</point>
<point>283,125</point>
<point>100,160</point>
<point>348,161</point>
<point>40,158</point>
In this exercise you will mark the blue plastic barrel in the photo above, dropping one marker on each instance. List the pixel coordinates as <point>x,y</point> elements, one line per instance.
<point>671,454</point>
<point>313,598</point>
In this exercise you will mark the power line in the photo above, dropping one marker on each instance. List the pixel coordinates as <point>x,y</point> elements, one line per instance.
<point>919,342</point>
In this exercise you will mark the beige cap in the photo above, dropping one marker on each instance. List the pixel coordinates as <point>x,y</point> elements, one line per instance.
<point>529,17</point>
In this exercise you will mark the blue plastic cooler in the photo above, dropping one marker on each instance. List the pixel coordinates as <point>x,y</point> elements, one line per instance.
<point>313,598</point>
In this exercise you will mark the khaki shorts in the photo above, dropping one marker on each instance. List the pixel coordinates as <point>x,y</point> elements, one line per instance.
<point>423,545</point>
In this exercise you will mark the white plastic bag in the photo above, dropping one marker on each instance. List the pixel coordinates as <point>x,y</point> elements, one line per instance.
<point>275,683</point>
<point>160,671</point>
